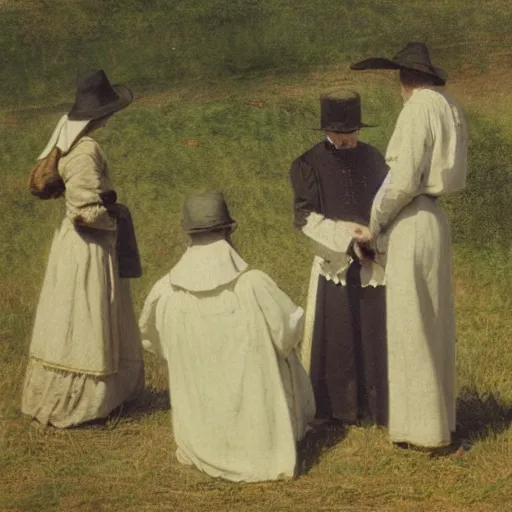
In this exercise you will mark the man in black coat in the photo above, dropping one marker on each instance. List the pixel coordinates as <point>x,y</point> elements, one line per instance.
<point>344,345</point>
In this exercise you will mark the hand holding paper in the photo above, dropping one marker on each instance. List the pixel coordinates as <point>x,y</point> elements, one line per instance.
<point>362,234</point>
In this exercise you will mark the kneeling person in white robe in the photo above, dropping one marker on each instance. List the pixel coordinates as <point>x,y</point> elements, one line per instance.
<point>240,397</point>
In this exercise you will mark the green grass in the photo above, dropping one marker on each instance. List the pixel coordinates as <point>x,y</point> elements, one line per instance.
<point>155,43</point>
<point>241,136</point>
<point>226,98</point>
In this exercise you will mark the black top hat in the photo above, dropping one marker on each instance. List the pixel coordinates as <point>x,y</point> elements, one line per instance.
<point>414,56</point>
<point>342,113</point>
<point>206,212</point>
<point>96,97</point>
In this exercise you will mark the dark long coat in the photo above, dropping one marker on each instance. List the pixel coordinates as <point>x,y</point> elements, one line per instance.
<point>348,357</point>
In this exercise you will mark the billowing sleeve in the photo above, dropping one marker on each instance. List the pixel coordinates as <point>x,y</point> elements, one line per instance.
<point>379,167</point>
<point>379,242</point>
<point>285,320</point>
<point>148,321</point>
<point>409,147</point>
<point>84,186</point>
<point>334,235</point>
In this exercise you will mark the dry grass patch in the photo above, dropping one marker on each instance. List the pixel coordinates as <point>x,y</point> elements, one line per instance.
<point>129,464</point>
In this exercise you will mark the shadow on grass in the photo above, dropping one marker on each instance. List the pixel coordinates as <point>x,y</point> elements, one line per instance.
<point>316,442</point>
<point>481,415</point>
<point>150,400</point>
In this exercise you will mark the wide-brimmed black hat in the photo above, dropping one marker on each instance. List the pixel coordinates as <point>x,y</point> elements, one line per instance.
<point>206,212</point>
<point>414,56</point>
<point>341,113</point>
<point>96,97</point>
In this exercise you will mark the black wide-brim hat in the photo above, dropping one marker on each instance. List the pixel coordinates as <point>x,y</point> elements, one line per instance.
<point>206,212</point>
<point>96,97</point>
<point>414,56</point>
<point>341,113</point>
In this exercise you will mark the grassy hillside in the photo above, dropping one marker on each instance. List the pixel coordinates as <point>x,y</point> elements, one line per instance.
<point>226,97</point>
<point>242,137</point>
<point>155,43</point>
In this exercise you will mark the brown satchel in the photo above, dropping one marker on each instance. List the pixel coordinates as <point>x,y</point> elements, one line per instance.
<point>44,181</point>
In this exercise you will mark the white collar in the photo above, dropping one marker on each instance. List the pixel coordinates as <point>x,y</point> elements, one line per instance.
<point>64,135</point>
<point>422,91</point>
<point>207,265</point>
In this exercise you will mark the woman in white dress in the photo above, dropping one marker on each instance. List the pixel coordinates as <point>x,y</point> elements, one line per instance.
<point>85,352</point>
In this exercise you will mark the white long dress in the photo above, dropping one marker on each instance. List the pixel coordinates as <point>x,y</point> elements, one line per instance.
<point>240,397</point>
<point>85,352</point>
<point>427,156</point>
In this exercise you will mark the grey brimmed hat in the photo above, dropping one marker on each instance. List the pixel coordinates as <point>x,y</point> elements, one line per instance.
<point>96,97</point>
<point>414,56</point>
<point>341,113</point>
<point>206,212</point>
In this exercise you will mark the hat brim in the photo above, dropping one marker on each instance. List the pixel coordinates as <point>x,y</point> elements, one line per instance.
<point>440,76</point>
<point>125,98</point>
<point>337,130</point>
<point>375,63</point>
<point>218,227</point>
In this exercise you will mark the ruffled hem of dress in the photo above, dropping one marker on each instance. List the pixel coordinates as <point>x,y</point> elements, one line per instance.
<point>65,399</point>
<point>338,276</point>
<point>69,369</point>
<point>334,272</point>
<point>374,283</point>
<point>92,215</point>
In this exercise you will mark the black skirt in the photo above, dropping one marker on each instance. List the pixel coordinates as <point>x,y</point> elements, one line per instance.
<point>349,353</point>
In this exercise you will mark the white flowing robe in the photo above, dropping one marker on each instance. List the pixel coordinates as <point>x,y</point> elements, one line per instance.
<point>427,156</point>
<point>240,397</point>
<point>85,352</point>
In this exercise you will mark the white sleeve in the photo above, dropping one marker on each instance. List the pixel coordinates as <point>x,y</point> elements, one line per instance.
<point>83,181</point>
<point>334,235</point>
<point>151,339</point>
<point>284,318</point>
<point>408,148</point>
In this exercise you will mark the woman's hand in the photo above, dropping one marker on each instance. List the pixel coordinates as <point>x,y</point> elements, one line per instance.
<point>362,234</point>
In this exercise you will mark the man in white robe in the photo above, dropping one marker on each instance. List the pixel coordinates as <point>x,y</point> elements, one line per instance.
<point>427,157</point>
<point>239,395</point>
